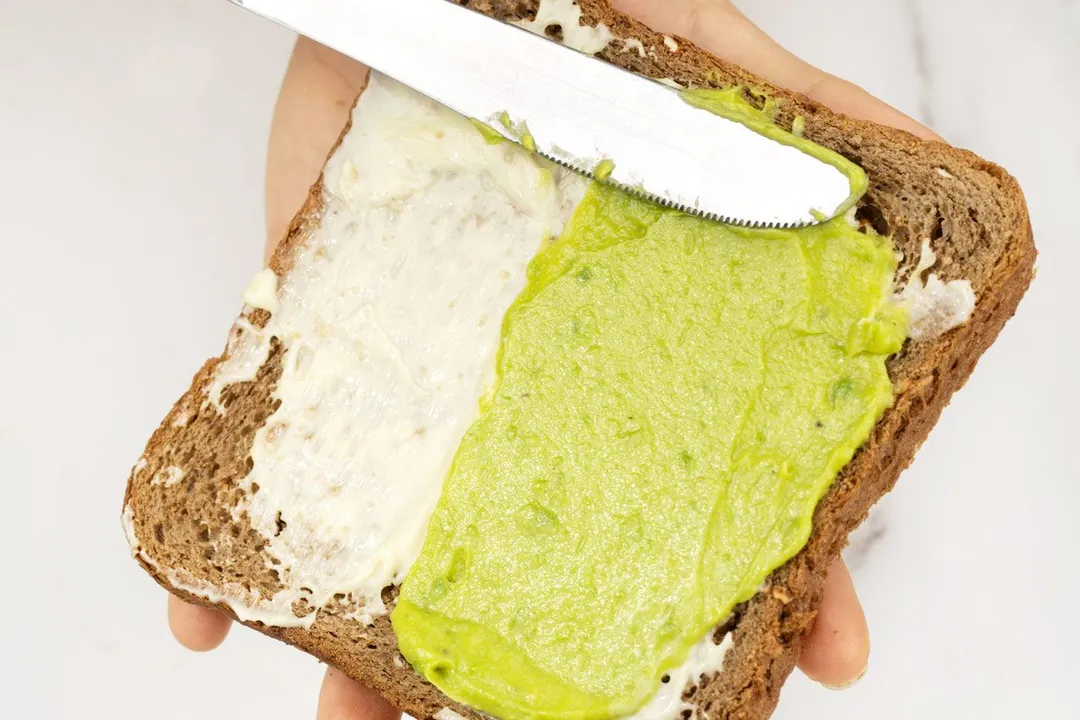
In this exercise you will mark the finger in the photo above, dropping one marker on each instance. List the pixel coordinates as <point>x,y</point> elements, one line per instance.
<point>344,699</point>
<point>197,628</point>
<point>719,27</point>
<point>838,648</point>
<point>317,93</point>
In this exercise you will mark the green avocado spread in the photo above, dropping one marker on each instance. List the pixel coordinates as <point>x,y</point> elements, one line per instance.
<point>673,397</point>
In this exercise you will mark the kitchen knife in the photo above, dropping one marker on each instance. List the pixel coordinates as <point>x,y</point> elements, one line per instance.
<point>577,110</point>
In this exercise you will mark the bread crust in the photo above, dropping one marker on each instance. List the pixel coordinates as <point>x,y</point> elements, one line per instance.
<point>971,210</point>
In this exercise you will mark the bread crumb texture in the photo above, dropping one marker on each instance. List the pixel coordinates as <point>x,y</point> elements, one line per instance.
<point>178,508</point>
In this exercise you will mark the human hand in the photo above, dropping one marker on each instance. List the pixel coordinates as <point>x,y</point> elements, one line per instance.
<point>319,88</point>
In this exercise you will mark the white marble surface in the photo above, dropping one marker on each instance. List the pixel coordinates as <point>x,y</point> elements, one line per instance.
<point>132,136</point>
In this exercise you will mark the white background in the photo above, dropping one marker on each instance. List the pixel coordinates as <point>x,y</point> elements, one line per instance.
<point>132,139</point>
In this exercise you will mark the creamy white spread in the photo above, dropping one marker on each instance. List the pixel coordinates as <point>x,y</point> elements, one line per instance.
<point>127,520</point>
<point>389,321</point>
<point>140,465</point>
<point>261,292</point>
<point>671,44</point>
<point>851,219</point>
<point>933,306</point>
<point>705,659</point>
<point>168,477</point>
<point>448,714</point>
<point>633,44</point>
<point>566,15</point>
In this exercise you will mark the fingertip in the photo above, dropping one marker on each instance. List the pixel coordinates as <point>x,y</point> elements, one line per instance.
<point>722,29</point>
<point>849,99</point>
<point>342,698</point>
<point>197,628</point>
<point>837,650</point>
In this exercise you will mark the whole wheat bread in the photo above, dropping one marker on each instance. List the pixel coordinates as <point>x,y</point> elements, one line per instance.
<point>972,212</point>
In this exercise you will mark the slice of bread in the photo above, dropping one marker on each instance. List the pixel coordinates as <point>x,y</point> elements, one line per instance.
<point>178,508</point>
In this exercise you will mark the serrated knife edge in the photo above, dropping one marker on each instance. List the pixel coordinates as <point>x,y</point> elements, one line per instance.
<point>579,110</point>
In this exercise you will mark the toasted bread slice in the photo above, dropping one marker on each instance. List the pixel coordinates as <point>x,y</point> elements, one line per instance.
<point>178,508</point>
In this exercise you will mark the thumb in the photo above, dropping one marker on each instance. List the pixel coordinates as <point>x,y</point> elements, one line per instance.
<point>718,27</point>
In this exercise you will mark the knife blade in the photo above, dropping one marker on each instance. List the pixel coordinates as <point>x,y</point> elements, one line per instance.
<point>582,112</point>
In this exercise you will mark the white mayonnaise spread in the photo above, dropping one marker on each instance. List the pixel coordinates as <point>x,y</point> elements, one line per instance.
<point>705,659</point>
<point>261,292</point>
<point>448,714</point>
<point>390,320</point>
<point>850,219</point>
<point>633,44</point>
<point>140,465</point>
<point>566,15</point>
<point>168,477</point>
<point>127,520</point>
<point>933,306</point>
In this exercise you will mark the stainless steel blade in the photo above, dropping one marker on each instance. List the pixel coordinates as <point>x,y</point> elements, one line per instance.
<point>580,111</point>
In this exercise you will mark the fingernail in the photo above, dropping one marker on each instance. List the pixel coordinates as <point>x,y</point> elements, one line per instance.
<point>849,683</point>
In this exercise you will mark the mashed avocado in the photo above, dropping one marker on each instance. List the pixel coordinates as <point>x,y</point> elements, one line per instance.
<point>673,397</point>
